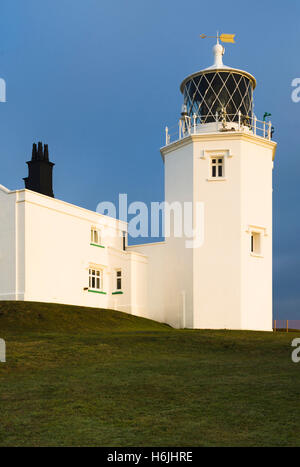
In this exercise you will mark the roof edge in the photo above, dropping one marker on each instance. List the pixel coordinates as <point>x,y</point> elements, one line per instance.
<point>3,188</point>
<point>218,69</point>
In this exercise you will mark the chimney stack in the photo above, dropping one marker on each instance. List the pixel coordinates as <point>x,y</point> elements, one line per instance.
<point>40,171</point>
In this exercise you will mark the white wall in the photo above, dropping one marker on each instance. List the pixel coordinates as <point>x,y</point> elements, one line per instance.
<point>256,199</point>
<point>7,246</point>
<point>179,169</point>
<point>11,246</point>
<point>138,284</point>
<point>153,281</point>
<point>170,263</point>
<point>217,263</point>
<point>46,253</point>
<point>230,288</point>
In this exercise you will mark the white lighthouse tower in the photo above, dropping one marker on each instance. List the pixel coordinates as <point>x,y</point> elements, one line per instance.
<point>222,157</point>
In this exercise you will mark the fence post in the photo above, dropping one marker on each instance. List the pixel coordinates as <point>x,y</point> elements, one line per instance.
<point>274,325</point>
<point>189,125</point>
<point>269,131</point>
<point>287,325</point>
<point>194,119</point>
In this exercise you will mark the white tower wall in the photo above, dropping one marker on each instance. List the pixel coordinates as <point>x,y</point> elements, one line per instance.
<point>232,286</point>
<point>217,263</point>
<point>179,259</point>
<point>256,203</point>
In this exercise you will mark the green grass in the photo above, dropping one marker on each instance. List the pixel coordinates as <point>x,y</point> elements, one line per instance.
<point>85,377</point>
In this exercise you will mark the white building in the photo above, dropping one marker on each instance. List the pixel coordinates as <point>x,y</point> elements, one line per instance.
<point>52,251</point>
<point>222,159</point>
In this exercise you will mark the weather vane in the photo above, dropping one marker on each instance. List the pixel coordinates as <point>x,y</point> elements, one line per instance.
<point>221,37</point>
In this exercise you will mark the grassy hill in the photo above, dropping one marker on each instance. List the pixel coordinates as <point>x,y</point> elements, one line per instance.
<point>44,317</point>
<point>86,377</point>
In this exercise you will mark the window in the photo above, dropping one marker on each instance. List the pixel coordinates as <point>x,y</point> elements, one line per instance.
<point>255,246</point>
<point>124,241</point>
<point>95,236</point>
<point>119,280</point>
<point>217,167</point>
<point>95,279</point>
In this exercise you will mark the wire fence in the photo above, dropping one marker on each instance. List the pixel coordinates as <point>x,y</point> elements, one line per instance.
<point>286,325</point>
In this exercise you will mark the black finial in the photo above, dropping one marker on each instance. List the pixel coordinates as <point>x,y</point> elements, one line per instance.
<point>46,152</point>
<point>34,152</point>
<point>40,171</point>
<point>40,152</point>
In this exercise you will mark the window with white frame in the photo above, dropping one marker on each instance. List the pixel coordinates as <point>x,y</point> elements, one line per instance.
<point>95,279</point>
<point>217,167</point>
<point>118,279</point>
<point>95,236</point>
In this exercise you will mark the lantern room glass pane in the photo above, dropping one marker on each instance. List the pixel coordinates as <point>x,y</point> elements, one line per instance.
<point>211,93</point>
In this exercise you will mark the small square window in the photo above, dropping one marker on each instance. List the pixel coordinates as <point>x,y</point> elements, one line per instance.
<point>255,245</point>
<point>95,236</point>
<point>119,280</point>
<point>217,167</point>
<point>124,240</point>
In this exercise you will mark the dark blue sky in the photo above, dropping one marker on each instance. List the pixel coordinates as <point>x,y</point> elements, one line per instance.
<point>99,81</point>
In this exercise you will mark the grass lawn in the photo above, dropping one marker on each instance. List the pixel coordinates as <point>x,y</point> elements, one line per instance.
<point>85,377</point>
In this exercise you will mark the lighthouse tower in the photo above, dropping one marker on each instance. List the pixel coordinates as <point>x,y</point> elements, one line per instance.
<point>222,158</point>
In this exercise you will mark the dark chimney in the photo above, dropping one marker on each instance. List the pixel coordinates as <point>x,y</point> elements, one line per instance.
<point>40,171</point>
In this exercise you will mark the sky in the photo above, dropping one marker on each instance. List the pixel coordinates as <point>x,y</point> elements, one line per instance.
<point>99,81</point>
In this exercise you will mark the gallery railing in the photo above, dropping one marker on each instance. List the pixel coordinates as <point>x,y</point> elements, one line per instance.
<point>188,126</point>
